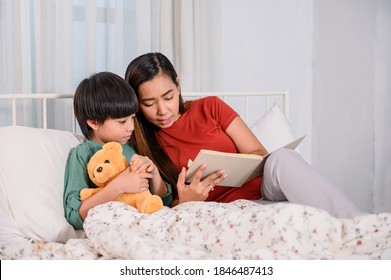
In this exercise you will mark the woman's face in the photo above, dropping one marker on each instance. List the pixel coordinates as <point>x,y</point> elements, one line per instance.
<point>159,101</point>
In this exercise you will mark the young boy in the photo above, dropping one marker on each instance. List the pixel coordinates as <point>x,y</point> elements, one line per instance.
<point>105,106</point>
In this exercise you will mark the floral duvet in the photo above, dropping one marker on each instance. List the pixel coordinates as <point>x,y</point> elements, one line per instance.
<point>208,230</point>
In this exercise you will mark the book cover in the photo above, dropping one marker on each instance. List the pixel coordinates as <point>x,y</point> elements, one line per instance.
<point>240,168</point>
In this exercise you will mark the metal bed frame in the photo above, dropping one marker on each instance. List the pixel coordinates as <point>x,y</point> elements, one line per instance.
<point>44,97</point>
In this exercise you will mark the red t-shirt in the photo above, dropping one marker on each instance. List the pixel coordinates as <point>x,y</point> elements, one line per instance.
<point>203,126</point>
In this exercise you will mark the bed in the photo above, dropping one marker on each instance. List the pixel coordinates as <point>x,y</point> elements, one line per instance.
<point>33,226</point>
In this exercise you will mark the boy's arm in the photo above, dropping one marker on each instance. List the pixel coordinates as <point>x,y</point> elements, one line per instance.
<point>157,186</point>
<point>76,178</point>
<point>162,189</point>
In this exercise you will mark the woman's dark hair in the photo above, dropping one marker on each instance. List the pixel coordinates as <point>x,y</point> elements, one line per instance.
<point>143,69</point>
<point>101,97</point>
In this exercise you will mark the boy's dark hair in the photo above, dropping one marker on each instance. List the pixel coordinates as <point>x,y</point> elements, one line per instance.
<point>103,96</point>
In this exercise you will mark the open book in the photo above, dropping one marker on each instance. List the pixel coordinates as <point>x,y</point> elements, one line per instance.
<point>240,168</point>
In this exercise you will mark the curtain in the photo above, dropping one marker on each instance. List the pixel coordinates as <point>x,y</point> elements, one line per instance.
<point>188,34</point>
<point>197,49</point>
<point>15,47</point>
<point>50,46</point>
<point>35,46</point>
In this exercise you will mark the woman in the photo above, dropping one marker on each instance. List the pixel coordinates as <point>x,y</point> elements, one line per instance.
<point>171,132</point>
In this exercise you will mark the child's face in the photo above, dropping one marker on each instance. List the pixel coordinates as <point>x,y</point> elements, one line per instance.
<point>117,130</point>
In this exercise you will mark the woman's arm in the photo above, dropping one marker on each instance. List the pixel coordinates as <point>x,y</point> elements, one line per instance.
<point>245,141</point>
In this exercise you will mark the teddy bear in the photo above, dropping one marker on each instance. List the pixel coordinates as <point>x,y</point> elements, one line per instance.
<point>104,166</point>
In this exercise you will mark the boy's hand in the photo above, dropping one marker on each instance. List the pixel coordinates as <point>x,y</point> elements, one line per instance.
<point>131,182</point>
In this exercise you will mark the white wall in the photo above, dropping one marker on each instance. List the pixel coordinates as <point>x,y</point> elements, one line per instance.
<point>334,57</point>
<point>382,142</point>
<point>343,86</point>
<point>350,84</point>
<point>267,45</point>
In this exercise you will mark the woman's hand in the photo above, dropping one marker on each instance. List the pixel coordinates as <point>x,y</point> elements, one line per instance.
<point>198,190</point>
<point>130,182</point>
<point>143,164</point>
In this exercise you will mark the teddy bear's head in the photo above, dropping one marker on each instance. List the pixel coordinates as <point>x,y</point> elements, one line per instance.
<point>106,164</point>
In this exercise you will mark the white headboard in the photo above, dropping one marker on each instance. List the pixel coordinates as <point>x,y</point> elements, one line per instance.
<point>40,107</point>
<point>261,99</point>
<point>250,105</point>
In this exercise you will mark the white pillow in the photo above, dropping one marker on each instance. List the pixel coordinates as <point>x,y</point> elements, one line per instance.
<point>273,130</point>
<point>32,166</point>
